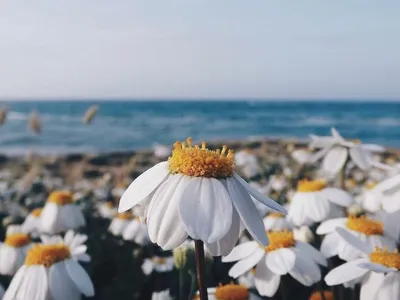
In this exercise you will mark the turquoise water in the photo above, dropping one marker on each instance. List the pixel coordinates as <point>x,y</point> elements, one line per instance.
<point>132,125</point>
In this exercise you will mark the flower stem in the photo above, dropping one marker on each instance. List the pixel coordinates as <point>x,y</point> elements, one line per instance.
<point>181,284</point>
<point>200,265</point>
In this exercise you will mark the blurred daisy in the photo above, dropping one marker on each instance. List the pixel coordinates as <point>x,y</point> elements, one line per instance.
<point>158,264</point>
<point>275,221</point>
<point>163,295</point>
<point>390,193</point>
<point>196,193</point>
<point>315,202</point>
<point>31,224</point>
<point>137,232</point>
<point>50,272</point>
<point>336,151</point>
<point>368,230</point>
<point>161,151</point>
<point>120,222</point>
<point>277,182</point>
<point>74,242</point>
<point>13,252</point>
<point>284,255</point>
<point>370,199</point>
<point>303,233</point>
<point>60,214</point>
<point>301,156</point>
<point>378,270</point>
<point>230,291</point>
<point>107,210</point>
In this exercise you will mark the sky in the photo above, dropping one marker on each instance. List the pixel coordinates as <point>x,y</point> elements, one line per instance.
<point>199,49</point>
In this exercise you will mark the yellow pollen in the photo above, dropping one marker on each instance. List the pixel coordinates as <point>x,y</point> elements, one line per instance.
<point>276,215</point>
<point>386,258</point>
<point>159,260</point>
<point>47,255</point>
<point>60,198</point>
<point>201,162</point>
<point>370,185</point>
<point>17,240</point>
<point>124,216</point>
<point>306,186</point>
<point>231,291</point>
<point>36,212</point>
<point>365,225</point>
<point>280,239</point>
<point>317,295</point>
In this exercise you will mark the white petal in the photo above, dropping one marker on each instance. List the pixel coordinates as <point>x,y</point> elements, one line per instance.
<point>354,241</point>
<point>78,240</point>
<point>225,245</point>
<point>330,245</point>
<point>389,288</point>
<point>241,251</point>
<point>346,272</point>
<point>163,220</point>
<point>247,211</point>
<point>297,209</point>
<point>338,196</point>
<point>83,257</point>
<point>246,264</point>
<point>60,284</point>
<point>80,277</point>
<point>320,154</point>
<point>330,225</point>
<point>311,252</point>
<point>318,207</point>
<point>69,237</point>
<point>131,230</point>
<point>272,204</point>
<point>15,284</point>
<point>79,250</point>
<point>49,218</point>
<point>377,268</point>
<point>370,285</point>
<point>143,186</point>
<point>305,271</point>
<point>336,135</point>
<point>206,209</point>
<point>388,184</point>
<point>266,282</point>
<point>334,160</point>
<point>34,285</point>
<point>281,261</point>
<point>373,147</point>
<point>361,158</point>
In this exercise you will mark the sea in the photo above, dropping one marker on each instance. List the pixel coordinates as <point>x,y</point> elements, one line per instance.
<point>132,125</point>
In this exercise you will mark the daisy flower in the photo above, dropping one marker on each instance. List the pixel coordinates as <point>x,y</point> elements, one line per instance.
<point>336,151</point>
<point>196,193</point>
<point>230,291</point>
<point>370,199</point>
<point>137,232</point>
<point>284,255</point>
<point>315,202</point>
<point>389,190</point>
<point>301,156</point>
<point>31,224</point>
<point>60,214</point>
<point>378,270</point>
<point>275,221</point>
<point>277,182</point>
<point>158,264</point>
<point>13,251</point>
<point>120,222</point>
<point>74,242</point>
<point>106,209</point>
<point>50,272</point>
<point>369,230</point>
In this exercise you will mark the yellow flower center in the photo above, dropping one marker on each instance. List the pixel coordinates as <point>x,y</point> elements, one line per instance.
<point>351,183</point>
<point>276,215</point>
<point>124,216</point>
<point>328,295</point>
<point>17,240</point>
<point>60,198</point>
<point>370,185</point>
<point>365,225</point>
<point>280,239</point>
<point>307,186</point>
<point>159,260</point>
<point>36,212</point>
<point>386,258</point>
<point>199,161</point>
<point>47,255</point>
<point>231,291</point>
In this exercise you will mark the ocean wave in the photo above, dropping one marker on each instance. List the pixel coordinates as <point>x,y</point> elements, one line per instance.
<point>319,121</point>
<point>387,121</point>
<point>14,115</point>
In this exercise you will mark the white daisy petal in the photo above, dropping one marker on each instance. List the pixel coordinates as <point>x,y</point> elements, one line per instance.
<point>306,272</point>
<point>247,211</point>
<point>80,277</point>
<point>330,245</point>
<point>354,241</point>
<point>68,237</point>
<point>319,207</point>
<point>346,272</point>
<point>320,154</point>
<point>281,261</point>
<point>378,268</point>
<point>143,186</point>
<point>338,196</point>
<point>311,252</point>
<point>329,226</point>
<point>361,158</point>
<point>334,161</point>
<point>241,251</point>
<point>246,264</point>
<point>370,285</point>
<point>206,209</point>
<point>266,282</point>
<point>60,284</point>
<point>15,284</point>
<point>390,287</point>
<point>79,250</point>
